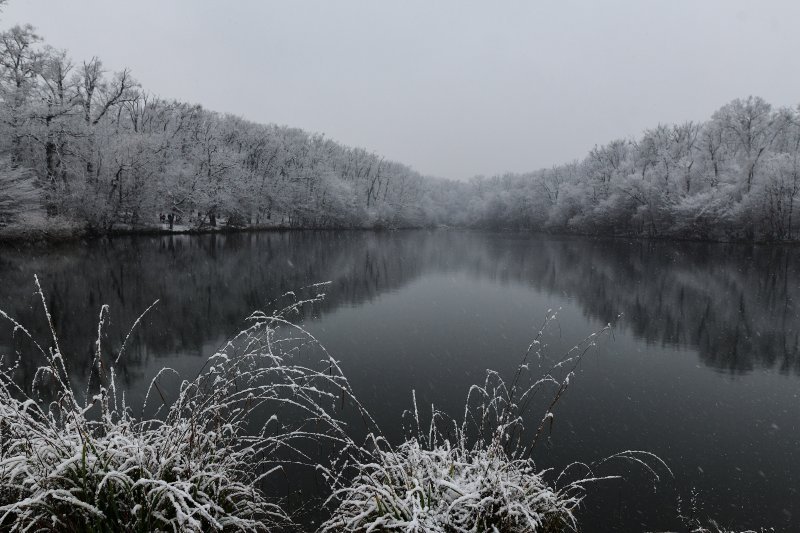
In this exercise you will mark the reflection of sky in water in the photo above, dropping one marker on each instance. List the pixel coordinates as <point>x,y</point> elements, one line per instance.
<point>702,370</point>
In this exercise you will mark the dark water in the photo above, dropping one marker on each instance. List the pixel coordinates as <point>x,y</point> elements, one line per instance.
<point>703,368</point>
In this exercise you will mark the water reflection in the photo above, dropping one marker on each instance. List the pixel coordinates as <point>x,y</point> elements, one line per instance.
<point>734,304</point>
<point>431,310</point>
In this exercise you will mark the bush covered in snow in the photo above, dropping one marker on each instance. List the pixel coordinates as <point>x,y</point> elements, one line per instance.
<point>476,474</point>
<point>62,473</point>
<point>414,488</point>
<point>78,459</point>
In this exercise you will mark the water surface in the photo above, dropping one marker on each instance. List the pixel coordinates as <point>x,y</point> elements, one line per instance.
<point>703,367</point>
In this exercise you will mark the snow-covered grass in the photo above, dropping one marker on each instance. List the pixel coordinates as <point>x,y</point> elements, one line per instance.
<point>417,488</point>
<point>476,474</point>
<point>78,459</point>
<point>714,527</point>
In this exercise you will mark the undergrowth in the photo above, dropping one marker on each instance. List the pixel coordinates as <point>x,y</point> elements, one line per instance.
<point>78,459</point>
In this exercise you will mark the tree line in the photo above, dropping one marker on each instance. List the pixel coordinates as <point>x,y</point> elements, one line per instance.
<point>91,147</point>
<point>83,143</point>
<point>735,176</point>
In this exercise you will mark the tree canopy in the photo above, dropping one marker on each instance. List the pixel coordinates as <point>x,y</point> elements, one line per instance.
<point>91,145</point>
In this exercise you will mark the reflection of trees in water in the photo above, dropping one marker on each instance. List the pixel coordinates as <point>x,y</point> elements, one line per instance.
<point>735,303</point>
<point>206,285</point>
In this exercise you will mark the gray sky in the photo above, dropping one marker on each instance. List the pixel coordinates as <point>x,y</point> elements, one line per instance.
<point>452,88</point>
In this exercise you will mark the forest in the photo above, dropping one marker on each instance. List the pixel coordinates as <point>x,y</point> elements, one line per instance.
<point>733,177</point>
<point>88,149</point>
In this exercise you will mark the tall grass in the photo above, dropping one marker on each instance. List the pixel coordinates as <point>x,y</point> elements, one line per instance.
<point>477,473</point>
<point>78,459</point>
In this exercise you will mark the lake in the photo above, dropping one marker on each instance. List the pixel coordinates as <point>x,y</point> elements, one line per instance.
<point>702,367</point>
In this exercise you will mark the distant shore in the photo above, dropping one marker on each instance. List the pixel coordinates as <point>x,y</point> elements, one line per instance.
<point>60,231</point>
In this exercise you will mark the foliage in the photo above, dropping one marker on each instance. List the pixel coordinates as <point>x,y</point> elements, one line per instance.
<point>105,153</point>
<point>736,176</point>
<point>78,460</point>
<point>18,193</point>
<point>414,488</point>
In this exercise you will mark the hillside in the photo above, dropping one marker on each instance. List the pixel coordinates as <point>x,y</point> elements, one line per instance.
<point>87,150</point>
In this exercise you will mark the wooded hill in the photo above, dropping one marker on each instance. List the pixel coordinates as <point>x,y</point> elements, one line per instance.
<point>91,149</point>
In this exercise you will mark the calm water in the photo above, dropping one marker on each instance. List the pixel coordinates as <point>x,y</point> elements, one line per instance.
<point>703,368</point>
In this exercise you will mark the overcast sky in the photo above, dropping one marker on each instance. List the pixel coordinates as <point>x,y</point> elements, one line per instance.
<point>452,88</point>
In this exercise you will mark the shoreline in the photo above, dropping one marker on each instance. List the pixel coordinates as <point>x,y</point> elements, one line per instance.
<point>65,234</point>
